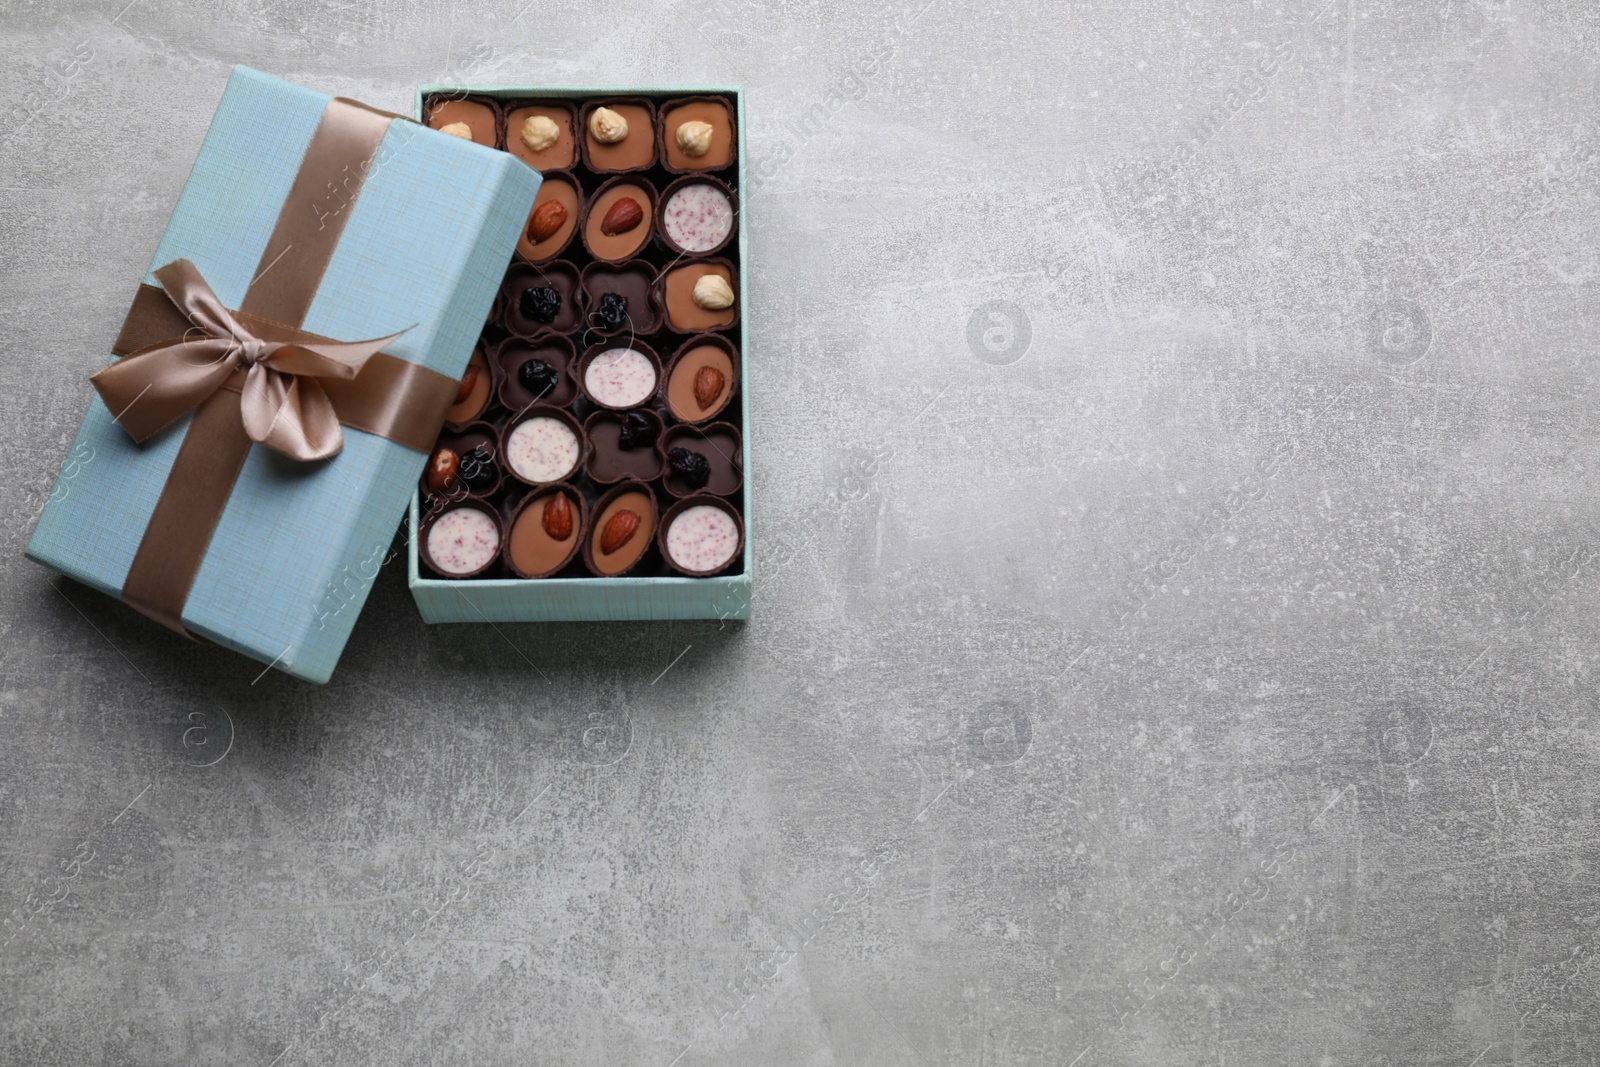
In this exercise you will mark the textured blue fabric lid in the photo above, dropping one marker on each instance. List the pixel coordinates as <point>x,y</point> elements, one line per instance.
<point>426,242</point>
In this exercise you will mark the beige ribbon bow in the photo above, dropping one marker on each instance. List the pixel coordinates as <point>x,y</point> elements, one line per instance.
<point>282,405</point>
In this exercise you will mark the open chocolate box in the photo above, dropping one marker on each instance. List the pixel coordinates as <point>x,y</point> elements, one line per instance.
<point>595,464</point>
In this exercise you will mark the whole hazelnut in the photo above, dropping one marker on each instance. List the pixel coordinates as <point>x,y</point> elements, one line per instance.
<point>713,293</point>
<point>694,138</point>
<point>606,126</point>
<point>457,129</point>
<point>539,132</point>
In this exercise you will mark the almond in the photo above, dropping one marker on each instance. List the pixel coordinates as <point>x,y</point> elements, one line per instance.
<point>442,470</point>
<point>707,387</point>
<point>547,218</point>
<point>624,215</point>
<point>558,517</point>
<point>468,380</point>
<point>619,531</point>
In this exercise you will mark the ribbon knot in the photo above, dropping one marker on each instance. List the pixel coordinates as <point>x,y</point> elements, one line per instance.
<point>282,403</point>
<point>253,350</point>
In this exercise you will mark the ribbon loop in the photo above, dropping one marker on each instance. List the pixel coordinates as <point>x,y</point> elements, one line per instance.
<point>283,405</point>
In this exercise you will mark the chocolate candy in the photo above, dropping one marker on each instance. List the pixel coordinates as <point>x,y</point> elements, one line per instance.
<point>543,445</point>
<point>542,299</point>
<point>480,116</point>
<point>476,447</point>
<point>618,221</point>
<point>619,376</point>
<point>631,286</point>
<point>676,294</point>
<point>529,144</point>
<point>701,536</point>
<point>704,361</point>
<point>712,460</point>
<point>478,391</point>
<point>545,532</point>
<point>462,541</point>
<point>621,531</point>
<point>696,216</point>
<point>712,145</point>
<point>559,189</point>
<point>623,446</point>
<point>521,385</point>
<point>637,148</point>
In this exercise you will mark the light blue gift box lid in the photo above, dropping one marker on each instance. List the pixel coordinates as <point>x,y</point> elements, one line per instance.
<point>426,242</point>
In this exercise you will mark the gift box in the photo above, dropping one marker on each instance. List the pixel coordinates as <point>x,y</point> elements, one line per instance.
<point>551,128</point>
<point>284,369</point>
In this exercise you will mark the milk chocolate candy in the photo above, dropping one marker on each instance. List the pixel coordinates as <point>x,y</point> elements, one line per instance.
<point>701,362</point>
<point>562,153</point>
<point>557,188</point>
<point>715,112</point>
<point>546,532</point>
<point>479,394</point>
<point>675,294</point>
<point>618,219</point>
<point>616,543</point>
<point>480,114</point>
<point>636,151</point>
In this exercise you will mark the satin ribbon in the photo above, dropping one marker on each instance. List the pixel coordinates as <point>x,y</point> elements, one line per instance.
<point>282,404</point>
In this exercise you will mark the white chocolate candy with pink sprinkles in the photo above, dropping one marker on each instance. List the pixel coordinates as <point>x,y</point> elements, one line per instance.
<point>702,538</point>
<point>463,541</point>
<point>620,378</point>
<point>697,217</point>
<point>542,450</point>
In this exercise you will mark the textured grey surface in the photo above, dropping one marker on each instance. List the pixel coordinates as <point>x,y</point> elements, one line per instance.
<point>1174,635</point>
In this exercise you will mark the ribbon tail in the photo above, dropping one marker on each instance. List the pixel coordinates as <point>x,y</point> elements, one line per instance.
<point>323,359</point>
<point>291,415</point>
<point>150,389</point>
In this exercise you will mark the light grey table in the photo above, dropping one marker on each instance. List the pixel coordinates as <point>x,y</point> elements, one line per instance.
<point>1174,639</point>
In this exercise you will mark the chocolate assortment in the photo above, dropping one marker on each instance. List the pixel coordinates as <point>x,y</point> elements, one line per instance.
<point>597,432</point>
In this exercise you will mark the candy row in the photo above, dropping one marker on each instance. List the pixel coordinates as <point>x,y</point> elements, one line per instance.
<point>550,528</point>
<point>696,385</point>
<point>689,217</point>
<point>688,135</point>
<point>543,445</point>
<point>606,300</point>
